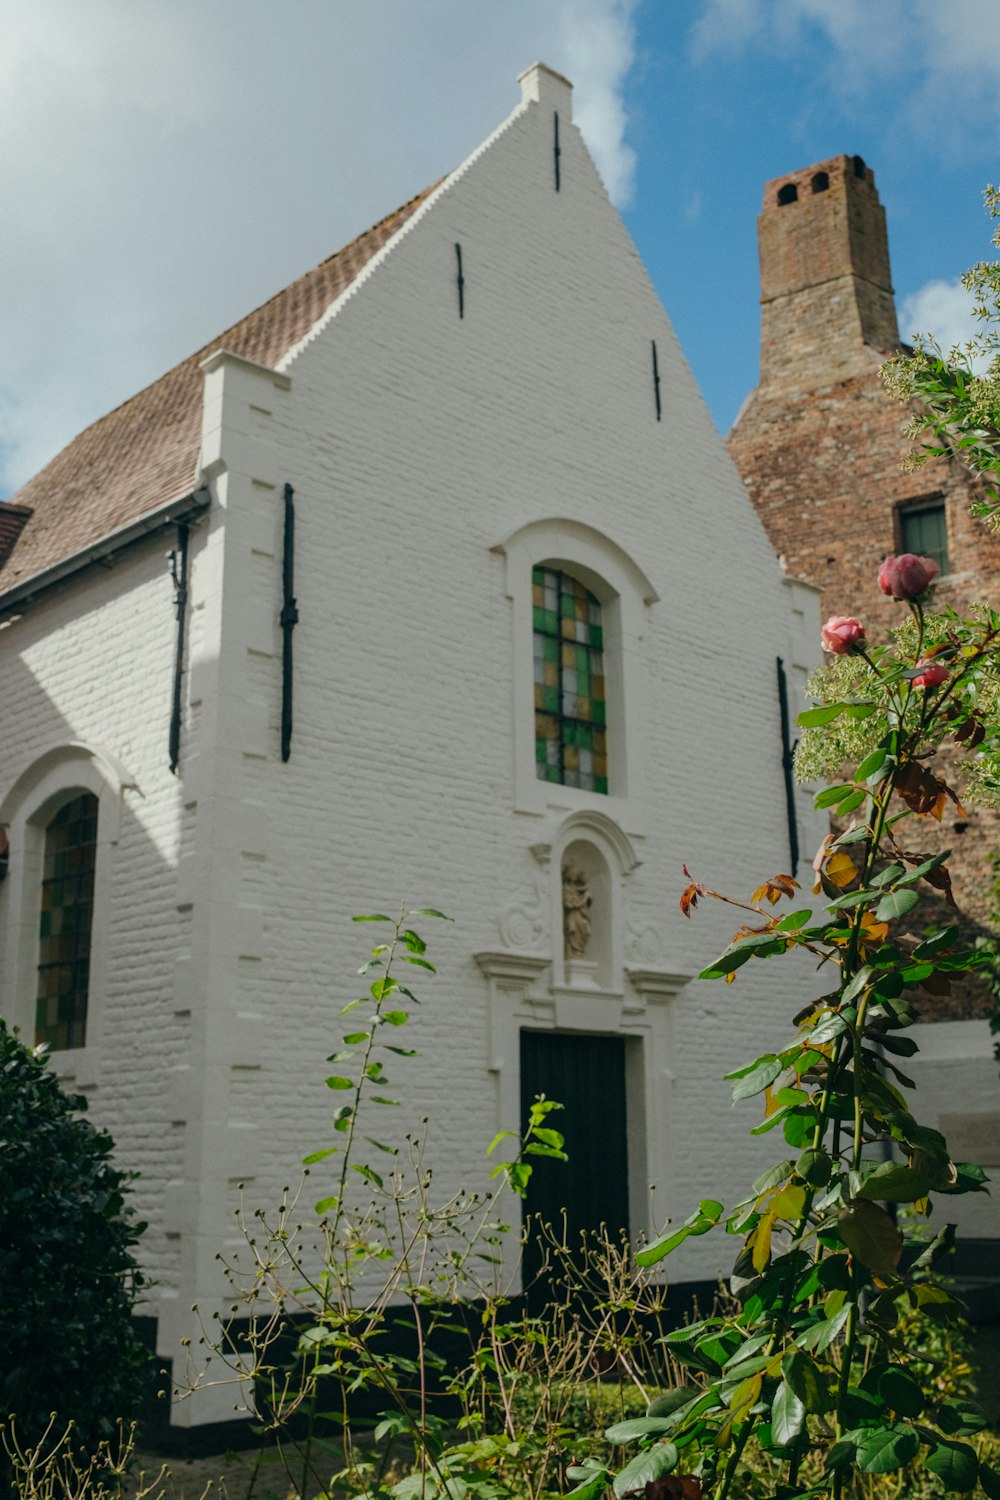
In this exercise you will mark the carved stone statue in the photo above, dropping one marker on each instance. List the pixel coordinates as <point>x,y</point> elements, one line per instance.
<point>577,902</point>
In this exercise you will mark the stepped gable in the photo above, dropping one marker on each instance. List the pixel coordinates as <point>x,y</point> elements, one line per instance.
<point>144,453</point>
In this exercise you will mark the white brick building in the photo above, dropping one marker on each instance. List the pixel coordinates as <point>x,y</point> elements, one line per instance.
<point>462,397</point>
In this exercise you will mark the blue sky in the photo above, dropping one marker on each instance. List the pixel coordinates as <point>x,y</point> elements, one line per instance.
<point>167,165</point>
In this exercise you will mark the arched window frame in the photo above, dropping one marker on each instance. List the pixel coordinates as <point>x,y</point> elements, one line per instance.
<point>54,779</point>
<point>625,594</point>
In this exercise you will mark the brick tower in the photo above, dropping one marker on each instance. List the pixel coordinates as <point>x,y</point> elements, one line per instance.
<point>819,444</point>
<point>826,294</point>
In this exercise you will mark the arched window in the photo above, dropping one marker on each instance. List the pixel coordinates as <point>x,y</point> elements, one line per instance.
<point>67,902</point>
<point>820,182</point>
<point>571,742</point>
<point>787,194</point>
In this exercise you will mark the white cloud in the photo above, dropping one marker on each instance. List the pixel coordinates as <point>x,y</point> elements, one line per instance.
<point>941,310</point>
<point>950,51</point>
<point>599,41</point>
<point>167,164</point>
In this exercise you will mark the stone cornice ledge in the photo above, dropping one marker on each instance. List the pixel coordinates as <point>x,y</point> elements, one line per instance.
<point>657,984</point>
<point>506,964</point>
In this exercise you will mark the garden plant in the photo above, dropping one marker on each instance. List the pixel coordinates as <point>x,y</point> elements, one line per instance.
<point>377,1345</point>
<point>68,1274</point>
<point>817,1371</point>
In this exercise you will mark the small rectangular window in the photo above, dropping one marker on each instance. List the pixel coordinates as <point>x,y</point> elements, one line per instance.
<point>923,529</point>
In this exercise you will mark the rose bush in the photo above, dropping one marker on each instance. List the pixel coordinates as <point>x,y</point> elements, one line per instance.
<point>819,1364</point>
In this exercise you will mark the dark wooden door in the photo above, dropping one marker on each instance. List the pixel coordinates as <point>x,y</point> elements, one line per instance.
<point>586,1074</point>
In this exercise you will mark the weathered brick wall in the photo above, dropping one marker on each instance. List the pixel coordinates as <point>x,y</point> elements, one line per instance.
<point>820,452</point>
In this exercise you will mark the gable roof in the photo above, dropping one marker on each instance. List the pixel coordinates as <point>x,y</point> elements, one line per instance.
<point>144,453</point>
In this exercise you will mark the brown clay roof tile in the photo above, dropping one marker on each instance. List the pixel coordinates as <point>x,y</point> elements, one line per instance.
<point>145,452</point>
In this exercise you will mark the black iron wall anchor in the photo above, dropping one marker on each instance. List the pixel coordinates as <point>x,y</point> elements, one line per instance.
<point>656,382</point>
<point>556,148</point>
<point>178,560</point>
<point>460,280</point>
<point>787,764</point>
<point>289,618</point>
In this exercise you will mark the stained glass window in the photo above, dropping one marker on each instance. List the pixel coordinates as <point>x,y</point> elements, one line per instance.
<point>571,737</point>
<point>64,927</point>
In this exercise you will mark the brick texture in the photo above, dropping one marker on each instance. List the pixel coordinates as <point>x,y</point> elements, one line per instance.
<point>819,446</point>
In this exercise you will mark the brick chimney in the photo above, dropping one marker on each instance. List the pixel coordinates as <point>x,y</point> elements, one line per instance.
<point>826,292</point>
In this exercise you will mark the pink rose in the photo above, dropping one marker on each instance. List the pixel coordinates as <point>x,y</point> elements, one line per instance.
<point>932,674</point>
<point>907,576</point>
<point>841,634</point>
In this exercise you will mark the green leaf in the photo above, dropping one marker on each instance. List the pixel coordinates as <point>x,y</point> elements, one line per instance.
<point>804,1379</point>
<point>669,1402</point>
<point>637,1427</point>
<point>893,1182</point>
<point>870,1236</point>
<point>831,794</point>
<point>780,1172</point>
<point>882,1450</point>
<point>646,1467</point>
<point>354,1039</point>
<point>788,1415</point>
<point>793,920</point>
<point>889,875</point>
<point>820,1336</point>
<point>395,1017</point>
<point>919,871</point>
<point>828,1028</point>
<point>955,1464</point>
<point>852,836</point>
<point>858,983</point>
<point>901,1391</point>
<point>850,802</point>
<point>375,918</point>
<point>590,1489</point>
<point>962,1416</point>
<point>947,937</point>
<point>337,1082</point>
<point>764,1071</point>
<point>368,1174</point>
<point>315,1156</point>
<point>727,963</point>
<point>990,1481</point>
<point>872,763</point>
<point>814,718</point>
<point>896,904</point>
<point>705,1217</point>
<point>845,1450</point>
<point>428,911</point>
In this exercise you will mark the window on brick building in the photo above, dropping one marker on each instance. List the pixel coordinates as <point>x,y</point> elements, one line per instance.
<point>571,738</point>
<point>787,194</point>
<point>820,182</point>
<point>923,529</point>
<point>64,932</point>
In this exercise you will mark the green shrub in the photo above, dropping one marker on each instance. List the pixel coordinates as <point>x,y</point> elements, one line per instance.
<point>68,1278</point>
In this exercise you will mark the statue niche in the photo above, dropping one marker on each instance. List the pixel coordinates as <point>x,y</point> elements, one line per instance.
<point>577,902</point>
